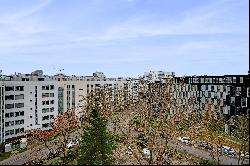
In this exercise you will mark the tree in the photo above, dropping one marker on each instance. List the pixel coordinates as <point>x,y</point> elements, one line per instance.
<point>65,124</point>
<point>96,147</point>
<point>241,125</point>
<point>149,107</point>
<point>41,136</point>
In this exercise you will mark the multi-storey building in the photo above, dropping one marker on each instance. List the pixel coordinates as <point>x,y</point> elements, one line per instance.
<point>31,101</point>
<point>1,111</point>
<point>157,76</point>
<point>222,96</point>
<point>73,89</point>
<point>225,96</point>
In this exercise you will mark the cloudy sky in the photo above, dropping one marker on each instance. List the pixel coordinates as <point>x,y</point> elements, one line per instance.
<point>124,37</point>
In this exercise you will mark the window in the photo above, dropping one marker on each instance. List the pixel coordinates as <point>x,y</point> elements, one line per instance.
<point>7,124</point>
<point>45,125</point>
<point>16,114</point>
<point>40,79</point>
<point>12,132</point>
<point>45,87</point>
<point>238,91</point>
<point>51,87</point>
<point>7,115</point>
<point>45,95</point>
<point>45,102</point>
<point>233,101</point>
<point>18,97</point>
<point>10,97</point>
<point>45,110</point>
<point>19,88</point>
<point>243,102</point>
<point>212,88</point>
<point>241,79</point>
<point>9,106</point>
<point>51,116</point>
<point>22,113</point>
<point>45,117</point>
<point>18,122</point>
<point>51,94</point>
<point>17,131</point>
<point>52,109</point>
<point>234,79</point>
<point>51,101</point>
<point>9,88</point>
<point>19,105</point>
<point>12,114</point>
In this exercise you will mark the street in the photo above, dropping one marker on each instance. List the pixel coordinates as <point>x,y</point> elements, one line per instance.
<point>225,160</point>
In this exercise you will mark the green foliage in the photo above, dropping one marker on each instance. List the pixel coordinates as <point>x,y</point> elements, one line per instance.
<point>206,162</point>
<point>97,143</point>
<point>57,161</point>
<point>5,155</point>
<point>216,127</point>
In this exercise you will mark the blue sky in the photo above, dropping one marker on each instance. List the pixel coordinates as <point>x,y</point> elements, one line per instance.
<point>124,37</point>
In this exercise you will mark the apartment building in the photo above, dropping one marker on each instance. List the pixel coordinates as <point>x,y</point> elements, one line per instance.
<point>73,89</point>
<point>31,101</point>
<point>226,96</point>
<point>1,111</point>
<point>157,76</point>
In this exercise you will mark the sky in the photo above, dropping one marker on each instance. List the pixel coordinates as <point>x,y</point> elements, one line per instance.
<point>124,37</point>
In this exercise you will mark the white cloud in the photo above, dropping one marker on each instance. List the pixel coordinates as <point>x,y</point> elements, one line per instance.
<point>204,20</point>
<point>12,17</point>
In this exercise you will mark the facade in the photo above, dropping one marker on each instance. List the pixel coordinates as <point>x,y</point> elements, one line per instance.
<point>157,76</point>
<point>1,111</point>
<point>226,96</point>
<point>31,101</point>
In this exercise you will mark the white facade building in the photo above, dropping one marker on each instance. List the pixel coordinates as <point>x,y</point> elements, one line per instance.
<point>31,101</point>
